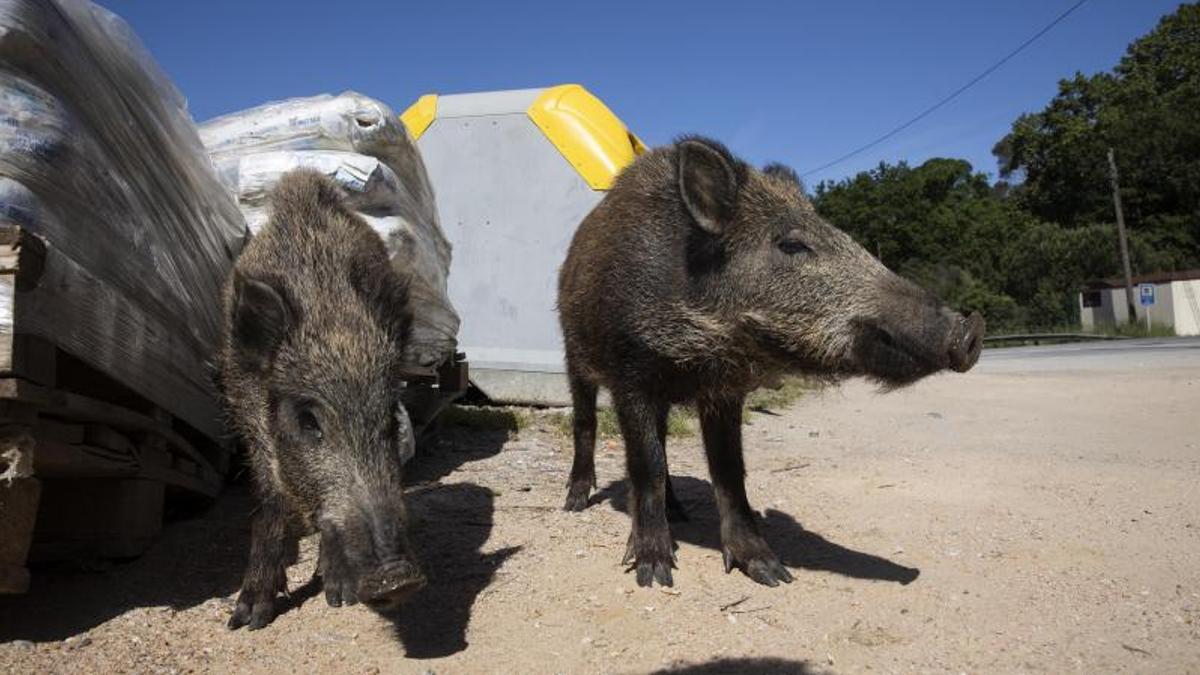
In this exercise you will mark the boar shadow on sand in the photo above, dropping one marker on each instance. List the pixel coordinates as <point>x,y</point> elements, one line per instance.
<point>451,523</point>
<point>796,546</point>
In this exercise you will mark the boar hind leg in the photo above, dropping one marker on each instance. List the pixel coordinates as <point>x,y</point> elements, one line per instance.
<point>265,576</point>
<point>742,544</point>
<point>650,548</point>
<point>583,469</point>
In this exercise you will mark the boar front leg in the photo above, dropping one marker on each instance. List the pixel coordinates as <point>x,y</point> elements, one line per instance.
<point>742,545</point>
<point>265,575</point>
<point>334,568</point>
<point>650,549</point>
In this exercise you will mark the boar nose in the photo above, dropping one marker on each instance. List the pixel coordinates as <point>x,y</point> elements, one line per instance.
<point>966,341</point>
<point>390,584</point>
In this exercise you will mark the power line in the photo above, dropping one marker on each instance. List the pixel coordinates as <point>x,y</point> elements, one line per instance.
<point>953,95</point>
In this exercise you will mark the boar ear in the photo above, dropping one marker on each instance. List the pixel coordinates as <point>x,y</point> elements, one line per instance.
<point>261,319</point>
<point>708,183</point>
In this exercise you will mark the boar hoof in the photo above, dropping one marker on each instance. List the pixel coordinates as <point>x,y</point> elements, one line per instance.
<point>762,568</point>
<point>653,556</point>
<point>254,610</point>
<point>577,496</point>
<point>335,575</point>
<point>339,591</point>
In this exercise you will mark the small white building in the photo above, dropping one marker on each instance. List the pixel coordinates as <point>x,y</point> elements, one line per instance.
<point>1176,302</point>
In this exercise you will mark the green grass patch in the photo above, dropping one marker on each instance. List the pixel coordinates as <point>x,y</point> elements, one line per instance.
<point>1137,330</point>
<point>483,418</point>
<point>681,422</point>
<point>1050,335</point>
<point>792,389</point>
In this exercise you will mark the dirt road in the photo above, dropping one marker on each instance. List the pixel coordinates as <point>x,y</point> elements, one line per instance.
<point>1000,521</point>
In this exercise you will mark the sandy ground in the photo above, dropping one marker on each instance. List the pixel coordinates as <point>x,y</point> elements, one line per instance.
<point>992,522</point>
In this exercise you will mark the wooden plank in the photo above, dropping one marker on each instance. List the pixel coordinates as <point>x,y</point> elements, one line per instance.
<point>454,376</point>
<point>105,437</point>
<point>34,359</point>
<point>161,453</point>
<point>109,518</point>
<point>81,314</point>
<point>8,292</point>
<point>60,460</point>
<point>57,430</point>
<point>19,498</point>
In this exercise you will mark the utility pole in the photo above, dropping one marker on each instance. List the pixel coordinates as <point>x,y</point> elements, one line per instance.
<point>1116,190</point>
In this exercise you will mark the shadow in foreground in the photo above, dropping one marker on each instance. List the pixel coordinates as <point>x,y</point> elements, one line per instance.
<point>765,666</point>
<point>456,443</point>
<point>195,560</point>
<point>795,546</point>
<point>203,557</point>
<point>451,524</point>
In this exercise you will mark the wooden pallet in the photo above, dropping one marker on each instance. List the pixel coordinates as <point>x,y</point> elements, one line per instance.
<point>102,421</point>
<point>85,452</point>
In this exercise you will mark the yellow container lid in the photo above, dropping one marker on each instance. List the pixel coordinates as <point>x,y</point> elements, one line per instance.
<point>591,138</point>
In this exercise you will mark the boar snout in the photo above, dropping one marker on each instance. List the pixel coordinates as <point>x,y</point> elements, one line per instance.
<point>965,342</point>
<point>388,586</point>
<point>901,350</point>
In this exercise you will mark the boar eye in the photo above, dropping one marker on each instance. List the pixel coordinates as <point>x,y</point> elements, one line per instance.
<point>793,245</point>
<point>308,423</point>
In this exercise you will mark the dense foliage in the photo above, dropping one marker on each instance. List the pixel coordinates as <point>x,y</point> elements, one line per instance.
<point>1018,252</point>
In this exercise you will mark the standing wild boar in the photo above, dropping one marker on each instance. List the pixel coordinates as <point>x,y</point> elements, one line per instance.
<point>699,278</point>
<point>315,324</point>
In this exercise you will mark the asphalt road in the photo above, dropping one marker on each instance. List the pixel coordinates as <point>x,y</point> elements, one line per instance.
<point>1150,353</point>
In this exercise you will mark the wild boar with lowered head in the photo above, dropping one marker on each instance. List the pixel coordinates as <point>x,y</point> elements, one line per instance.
<point>699,278</point>
<point>316,319</point>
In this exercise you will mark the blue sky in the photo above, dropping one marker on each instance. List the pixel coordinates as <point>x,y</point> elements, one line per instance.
<point>797,82</point>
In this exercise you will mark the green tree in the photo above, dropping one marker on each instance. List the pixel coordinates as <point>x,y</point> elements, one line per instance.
<point>1019,251</point>
<point>944,227</point>
<point>940,224</point>
<point>1148,110</point>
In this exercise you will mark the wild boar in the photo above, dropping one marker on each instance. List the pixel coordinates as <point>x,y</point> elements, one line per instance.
<point>698,279</point>
<point>311,369</point>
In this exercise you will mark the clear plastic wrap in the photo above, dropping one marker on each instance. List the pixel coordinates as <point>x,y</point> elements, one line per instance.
<point>100,158</point>
<point>361,144</point>
<point>369,184</point>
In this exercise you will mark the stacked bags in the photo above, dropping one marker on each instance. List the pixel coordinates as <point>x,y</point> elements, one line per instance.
<point>361,144</point>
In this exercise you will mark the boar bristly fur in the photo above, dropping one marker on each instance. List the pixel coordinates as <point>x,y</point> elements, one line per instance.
<point>311,369</point>
<point>699,278</point>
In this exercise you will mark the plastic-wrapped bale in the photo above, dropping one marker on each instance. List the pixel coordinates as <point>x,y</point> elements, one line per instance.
<point>115,239</point>
<point>362,145</point>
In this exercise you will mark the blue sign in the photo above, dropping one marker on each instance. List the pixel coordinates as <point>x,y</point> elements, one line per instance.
<point>1146,293</point>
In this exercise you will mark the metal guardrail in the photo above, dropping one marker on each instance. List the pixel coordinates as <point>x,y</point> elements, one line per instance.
<point>1041,337</point>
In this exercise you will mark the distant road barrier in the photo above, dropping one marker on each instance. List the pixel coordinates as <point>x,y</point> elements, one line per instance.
<point>1038,338</point>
